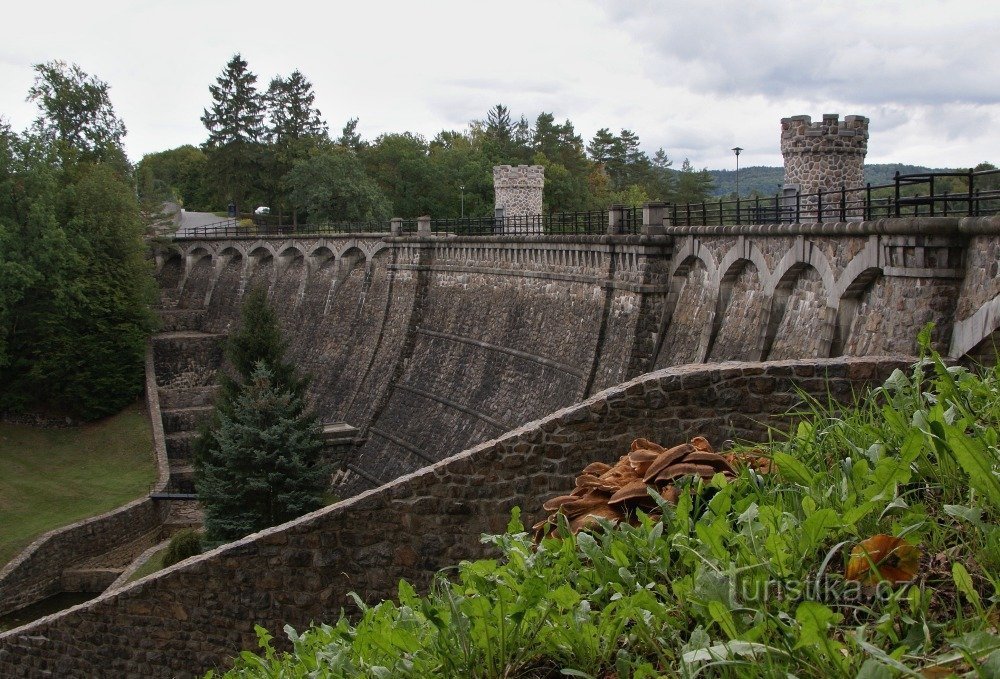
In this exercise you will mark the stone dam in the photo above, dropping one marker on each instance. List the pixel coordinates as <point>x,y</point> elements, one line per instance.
<point>479,373</point>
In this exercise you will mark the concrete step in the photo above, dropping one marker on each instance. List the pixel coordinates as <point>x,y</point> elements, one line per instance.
<point>181,478</point>
<point>176,398</point>
<point>173,320</point>
<point>180,446</point>
<point>177,420</point>
<point>187,358</point>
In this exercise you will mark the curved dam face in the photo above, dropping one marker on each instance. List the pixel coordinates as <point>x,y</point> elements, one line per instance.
<point>430,345</point>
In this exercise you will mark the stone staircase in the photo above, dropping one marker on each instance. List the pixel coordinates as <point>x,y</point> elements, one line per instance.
<point>187,361</point>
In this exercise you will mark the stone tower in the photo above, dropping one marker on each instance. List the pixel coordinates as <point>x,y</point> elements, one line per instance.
<point>518,189</point>
<point>824,155</point>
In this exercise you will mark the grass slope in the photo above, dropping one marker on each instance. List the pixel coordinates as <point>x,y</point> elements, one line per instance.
<point>52,477</point>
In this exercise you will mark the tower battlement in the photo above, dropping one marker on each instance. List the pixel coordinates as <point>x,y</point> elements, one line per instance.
<point>518,177</point>
<point>824,155</point>
<point>799,134</point>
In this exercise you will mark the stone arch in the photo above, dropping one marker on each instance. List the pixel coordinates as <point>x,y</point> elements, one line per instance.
<point>856,289</point>
<point>169,269</point>
<point>195,284</point>
<point>222,302</point>
<point>260,267</point>
<point>979,328</point>
<point>803,252</point>
<point>799,319</point>
<point>690,308</point>
<point>738,323</point>
<point>289,281</point>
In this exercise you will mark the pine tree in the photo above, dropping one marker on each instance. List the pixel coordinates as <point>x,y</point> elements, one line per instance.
<point>258,463</point>
<point>266,466</point>
<point>295,127</point>
<point>235,127</point>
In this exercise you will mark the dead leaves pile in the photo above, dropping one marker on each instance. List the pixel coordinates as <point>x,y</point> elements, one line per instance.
<point>616,492</point>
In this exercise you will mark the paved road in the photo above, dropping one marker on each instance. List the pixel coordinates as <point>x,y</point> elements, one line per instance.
<point>191,220</point>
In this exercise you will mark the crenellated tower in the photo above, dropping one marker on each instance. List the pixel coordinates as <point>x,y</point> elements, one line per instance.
<point>824,155</point>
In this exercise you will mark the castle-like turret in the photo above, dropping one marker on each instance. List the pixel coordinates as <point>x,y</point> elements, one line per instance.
<point>824,155</point>
<point>518,189</point>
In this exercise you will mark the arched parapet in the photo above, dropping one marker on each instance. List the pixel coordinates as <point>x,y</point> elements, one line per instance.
<point>858,273</point>
<point>288,253</point>
<point>803,253</point>
<point>693,290</point>
<point>690,249</point>
<point>799,319</point>
<point>967,334</point>
<point>747,250</point>
<point>319,256</point>
<point>259,267</point>
<point>737,328</point>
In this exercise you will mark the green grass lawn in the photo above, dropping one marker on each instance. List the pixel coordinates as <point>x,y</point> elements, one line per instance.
<point>52,477</point>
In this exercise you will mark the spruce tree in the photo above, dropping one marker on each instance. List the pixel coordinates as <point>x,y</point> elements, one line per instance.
<point>258,463</point>
<point>235,125</point>
<point>266,466</point>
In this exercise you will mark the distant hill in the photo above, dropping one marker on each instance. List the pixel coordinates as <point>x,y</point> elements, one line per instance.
<point>767,180</point>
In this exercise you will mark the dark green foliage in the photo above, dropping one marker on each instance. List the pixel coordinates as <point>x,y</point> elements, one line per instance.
<point>259,462</point>
<point>76,115</point>
<point>184,544</point>
<point>265,467</point>
<point>332,186</point>
<point>235,125</point>
<point>75,287</point>
<point>175,175</point>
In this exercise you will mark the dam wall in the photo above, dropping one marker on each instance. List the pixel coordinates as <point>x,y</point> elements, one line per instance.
<point>431,344</point>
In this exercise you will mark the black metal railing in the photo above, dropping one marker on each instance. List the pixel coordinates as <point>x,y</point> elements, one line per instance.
<point>557,223</point>
<point>908,195</point>
<point>238,228</point>
<point>920,194</point>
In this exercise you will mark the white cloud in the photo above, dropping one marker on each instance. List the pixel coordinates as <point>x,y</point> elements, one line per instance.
<point>695,78</point>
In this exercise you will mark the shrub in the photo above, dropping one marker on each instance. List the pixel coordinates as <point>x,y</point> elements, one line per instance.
<point>182,545</point>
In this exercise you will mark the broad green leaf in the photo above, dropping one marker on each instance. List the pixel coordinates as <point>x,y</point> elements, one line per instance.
<point>973,515</point>
<point>723,618</point>
<point>814,619</point>
<point>815,528</point>
<point>974,458</point>
<point>963,582</point>
<point>792,469</point>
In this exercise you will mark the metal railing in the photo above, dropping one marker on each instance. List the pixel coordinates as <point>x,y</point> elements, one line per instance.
<point>917,194</point>
<point>908,195</point>
<point>228,228</point>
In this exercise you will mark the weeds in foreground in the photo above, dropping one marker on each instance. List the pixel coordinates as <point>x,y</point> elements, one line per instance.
<point>742,577</point>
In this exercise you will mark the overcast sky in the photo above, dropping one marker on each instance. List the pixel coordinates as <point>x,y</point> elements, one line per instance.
<point>696,78</point>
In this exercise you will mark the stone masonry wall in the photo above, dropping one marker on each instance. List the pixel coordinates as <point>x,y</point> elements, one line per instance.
<point>197,614</point>
<point>37,571</point>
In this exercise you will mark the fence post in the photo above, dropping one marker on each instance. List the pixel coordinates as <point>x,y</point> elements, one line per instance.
<point>424,225</point>
<point>396,226</point>
<point>971,175</point>
<point>616,219</point>
<point>652,218</point>
<point>896,180</point>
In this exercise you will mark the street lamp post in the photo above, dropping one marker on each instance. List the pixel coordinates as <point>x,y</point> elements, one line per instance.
<point>736,150</point>
<point>461,187</point>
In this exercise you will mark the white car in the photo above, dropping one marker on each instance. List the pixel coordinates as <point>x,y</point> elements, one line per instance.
<point>262,210</point>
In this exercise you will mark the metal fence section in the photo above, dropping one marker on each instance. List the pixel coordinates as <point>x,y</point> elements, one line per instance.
<point>919,194</point>
<point>908,195</point>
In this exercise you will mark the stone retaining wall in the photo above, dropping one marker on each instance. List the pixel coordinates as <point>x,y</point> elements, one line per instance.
<point>37,572</point>
<point>197,614</point>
